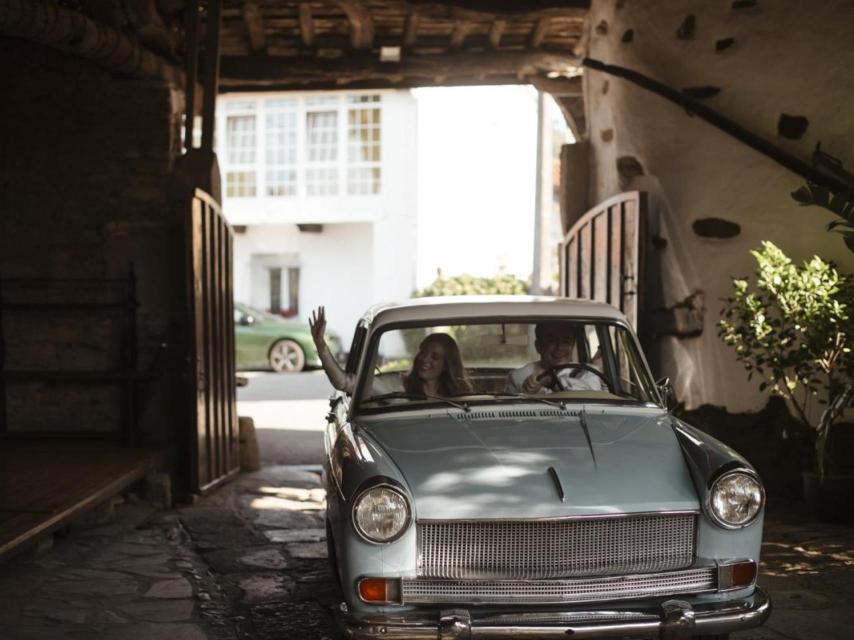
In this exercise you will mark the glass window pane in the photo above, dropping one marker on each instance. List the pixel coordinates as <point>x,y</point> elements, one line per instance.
<point>240,184</point>
<point>240,139</point>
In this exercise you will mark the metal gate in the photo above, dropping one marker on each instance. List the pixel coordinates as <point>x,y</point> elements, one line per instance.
<point>601,255</point>
<point>213,402</point>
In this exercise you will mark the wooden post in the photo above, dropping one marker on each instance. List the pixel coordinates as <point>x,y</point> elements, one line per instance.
<point>212,26</point>
<point>2,366</point>
<point>192,27</point>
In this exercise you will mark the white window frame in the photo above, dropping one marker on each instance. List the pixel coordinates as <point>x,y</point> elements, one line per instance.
<point>302,106</point>
<point>240,167</point>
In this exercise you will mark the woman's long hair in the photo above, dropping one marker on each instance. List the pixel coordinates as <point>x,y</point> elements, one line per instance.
<point>452,381</point>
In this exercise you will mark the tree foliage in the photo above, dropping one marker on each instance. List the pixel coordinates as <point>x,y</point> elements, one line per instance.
<point>795,332</point>
<point>465,284</point>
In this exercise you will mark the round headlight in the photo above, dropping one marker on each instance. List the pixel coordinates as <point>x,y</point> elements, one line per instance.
<point>381,514</point>
<point>735,499</point>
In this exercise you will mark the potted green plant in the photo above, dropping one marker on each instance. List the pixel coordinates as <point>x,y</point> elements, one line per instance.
<point>794,331</point>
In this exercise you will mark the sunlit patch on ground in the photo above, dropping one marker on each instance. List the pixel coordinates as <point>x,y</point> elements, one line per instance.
<point>289,499</point>
<point>784,558</point>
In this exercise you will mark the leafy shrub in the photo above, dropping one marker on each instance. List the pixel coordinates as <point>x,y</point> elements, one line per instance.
<point>795,332</point>
<point>465,285</point>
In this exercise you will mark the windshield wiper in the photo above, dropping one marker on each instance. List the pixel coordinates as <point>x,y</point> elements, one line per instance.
<point>560,404</point>
<point>395,395</point>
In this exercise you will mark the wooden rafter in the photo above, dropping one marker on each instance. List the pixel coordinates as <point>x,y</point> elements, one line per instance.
<point>254,21</point>
<point>461,30</point>
<point>413,70</point>
<point>503,8</point>
<point>495,33</point>
<point>306,24</point>
<point>361,23</point>
<point>539,32</point>
<point>69,31</point>
<point>410,30</point>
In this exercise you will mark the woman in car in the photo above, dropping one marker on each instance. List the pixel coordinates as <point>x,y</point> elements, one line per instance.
<point>437,369</point>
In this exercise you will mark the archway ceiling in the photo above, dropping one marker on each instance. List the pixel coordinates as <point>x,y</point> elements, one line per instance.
<point>337,44</point>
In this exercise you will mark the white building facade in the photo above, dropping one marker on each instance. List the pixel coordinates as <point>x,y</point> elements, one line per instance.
<point>321,191</point>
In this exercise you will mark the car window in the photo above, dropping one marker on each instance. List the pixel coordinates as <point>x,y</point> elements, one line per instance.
<point>633,377</point>
<point>356,348</point>
<point>484,360</point>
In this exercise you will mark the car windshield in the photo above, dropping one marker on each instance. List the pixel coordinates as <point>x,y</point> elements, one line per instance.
<point>554,361</point>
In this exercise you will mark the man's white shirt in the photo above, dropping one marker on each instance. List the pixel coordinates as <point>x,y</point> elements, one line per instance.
<point>583,380</point>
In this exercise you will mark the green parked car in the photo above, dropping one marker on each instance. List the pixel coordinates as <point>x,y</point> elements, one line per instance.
<point>266,340</point>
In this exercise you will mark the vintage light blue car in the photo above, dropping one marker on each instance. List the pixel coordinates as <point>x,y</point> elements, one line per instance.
<point>543,492</point>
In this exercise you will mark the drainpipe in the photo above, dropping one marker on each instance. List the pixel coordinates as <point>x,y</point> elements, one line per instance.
<point>72,32</point>
<point>536,275</point>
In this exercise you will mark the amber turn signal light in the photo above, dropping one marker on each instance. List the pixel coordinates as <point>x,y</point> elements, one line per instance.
<point>736,575</point>
<point>379,590</point>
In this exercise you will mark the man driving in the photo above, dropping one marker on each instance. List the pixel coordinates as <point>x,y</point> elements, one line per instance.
<point>555,342</point>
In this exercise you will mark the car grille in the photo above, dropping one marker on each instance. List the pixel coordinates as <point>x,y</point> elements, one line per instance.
<point>538,549</point>
<point>421,591</point>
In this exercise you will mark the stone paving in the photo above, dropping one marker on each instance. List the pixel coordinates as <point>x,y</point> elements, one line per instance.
<point>248,562</point>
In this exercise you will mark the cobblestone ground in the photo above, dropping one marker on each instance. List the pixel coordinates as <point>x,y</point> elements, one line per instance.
<point>248,562</point>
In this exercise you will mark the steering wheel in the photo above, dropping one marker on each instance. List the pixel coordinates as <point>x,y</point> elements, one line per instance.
<point>551,379</point>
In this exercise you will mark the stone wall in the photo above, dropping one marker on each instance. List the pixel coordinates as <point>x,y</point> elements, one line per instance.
<point>86,167</point>
<point>712,199</point>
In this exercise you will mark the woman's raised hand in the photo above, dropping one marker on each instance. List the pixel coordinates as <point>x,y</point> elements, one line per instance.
<point>317,322</point>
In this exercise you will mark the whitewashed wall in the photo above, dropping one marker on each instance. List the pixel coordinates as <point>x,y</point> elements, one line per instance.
<point>366,252</point>
<point>787,57</point>
<point>336,269</point>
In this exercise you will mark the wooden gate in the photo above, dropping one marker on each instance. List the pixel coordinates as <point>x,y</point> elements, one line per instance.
<point>213,401</point>
<point>601,255</point>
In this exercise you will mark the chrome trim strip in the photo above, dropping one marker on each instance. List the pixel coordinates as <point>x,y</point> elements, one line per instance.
<point>531,592</point>
<point>593,516</point>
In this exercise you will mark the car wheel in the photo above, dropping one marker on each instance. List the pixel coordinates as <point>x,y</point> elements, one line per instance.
<point>286,356</point>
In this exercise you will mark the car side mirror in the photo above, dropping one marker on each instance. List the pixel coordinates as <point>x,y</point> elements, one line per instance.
<point>665,389</point>
<point>246,320</point>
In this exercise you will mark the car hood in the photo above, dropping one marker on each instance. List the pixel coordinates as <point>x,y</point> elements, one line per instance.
<point>480,465</point>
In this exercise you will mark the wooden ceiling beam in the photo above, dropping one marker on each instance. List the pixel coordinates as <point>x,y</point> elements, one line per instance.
<point>539,32</point>
<point>361,23</point>
<point>414,68</point>
<point>482,9</point>
<point>306,24</point>
<point>461,30</point>
<point>410,31</point>
<point>402,82</point>
<point>495,33</point>
<point>254,21</point>
<point>339,46</point>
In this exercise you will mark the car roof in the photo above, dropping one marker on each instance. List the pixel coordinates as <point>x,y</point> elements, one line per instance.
<point>480,307</point>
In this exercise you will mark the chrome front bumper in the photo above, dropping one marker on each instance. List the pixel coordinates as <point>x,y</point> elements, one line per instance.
<point>672,620</point>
